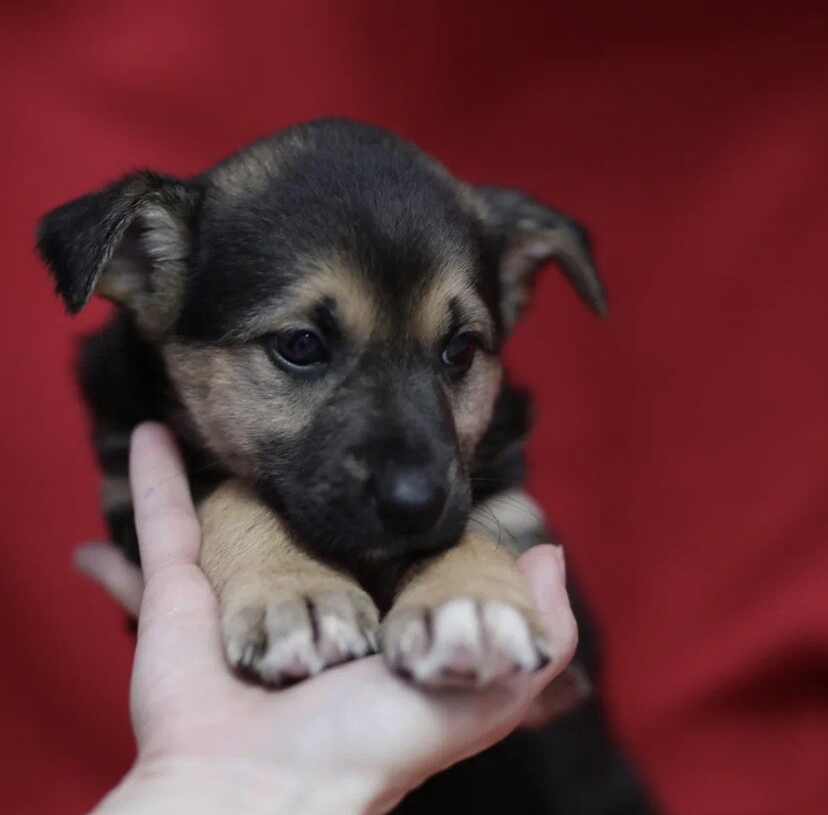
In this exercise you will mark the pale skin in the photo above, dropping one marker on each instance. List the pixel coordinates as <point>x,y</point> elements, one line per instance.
<point>352,740</point>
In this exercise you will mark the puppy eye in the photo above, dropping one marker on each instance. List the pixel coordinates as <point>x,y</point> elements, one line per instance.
<point>459,353</point>
<point>298,347</point>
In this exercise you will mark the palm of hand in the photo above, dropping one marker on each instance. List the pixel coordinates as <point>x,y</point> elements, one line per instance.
<point>353,725</point>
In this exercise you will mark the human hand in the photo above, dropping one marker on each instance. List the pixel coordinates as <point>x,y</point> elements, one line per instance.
<point>354,739</point>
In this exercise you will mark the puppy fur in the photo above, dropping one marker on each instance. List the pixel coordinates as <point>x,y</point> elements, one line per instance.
<point>301,472</point>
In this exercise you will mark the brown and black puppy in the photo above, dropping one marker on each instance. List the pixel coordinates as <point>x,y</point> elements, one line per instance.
<point>318,318</point>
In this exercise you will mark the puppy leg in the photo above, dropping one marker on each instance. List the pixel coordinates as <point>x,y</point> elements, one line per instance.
<point>465,617</point>
<point>285,616</point>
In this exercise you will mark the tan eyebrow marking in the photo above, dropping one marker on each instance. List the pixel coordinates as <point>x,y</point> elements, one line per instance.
<point>332,280</point>
<point>432,316</point>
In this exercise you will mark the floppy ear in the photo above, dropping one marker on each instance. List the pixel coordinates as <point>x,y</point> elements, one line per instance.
<point>128,242</point>
<point>526,235</point>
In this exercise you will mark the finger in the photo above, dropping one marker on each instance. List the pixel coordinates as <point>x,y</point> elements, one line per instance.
<point>165,520</point>
<point>178,627</point>
<point>570,685</point>
<point>110,569</point>
<point>543,566</point>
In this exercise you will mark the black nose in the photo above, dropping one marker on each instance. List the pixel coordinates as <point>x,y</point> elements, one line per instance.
<point>409,500</point>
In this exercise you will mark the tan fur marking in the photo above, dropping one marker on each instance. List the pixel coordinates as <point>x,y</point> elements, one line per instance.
<point>431,317</point>
<point>472,404</point>
<point>236,397</point>
<point>332,278</point>
<point>284,615</point>
<point>473,401</point>
<point>245,545</point>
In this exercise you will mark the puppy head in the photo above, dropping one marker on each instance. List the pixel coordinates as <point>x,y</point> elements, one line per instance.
<point>330,304</point>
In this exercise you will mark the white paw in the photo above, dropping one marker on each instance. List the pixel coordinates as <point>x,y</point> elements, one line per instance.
<point>282,641</point>
<point>463,642</point>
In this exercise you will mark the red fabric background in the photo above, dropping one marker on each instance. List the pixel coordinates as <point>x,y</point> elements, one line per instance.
<point>682,447</point>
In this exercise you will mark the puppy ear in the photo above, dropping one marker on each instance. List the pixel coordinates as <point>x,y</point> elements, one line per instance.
<point>526,235</point>
<point>128,242</point>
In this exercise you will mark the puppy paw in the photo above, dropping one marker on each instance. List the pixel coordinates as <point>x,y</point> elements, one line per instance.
<point>282,639</point>
<point>463,642</point>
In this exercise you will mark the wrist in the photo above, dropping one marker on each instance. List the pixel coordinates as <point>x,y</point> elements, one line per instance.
<point>182,786</point>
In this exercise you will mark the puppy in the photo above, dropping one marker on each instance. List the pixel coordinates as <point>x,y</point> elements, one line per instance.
<point>319,320</point>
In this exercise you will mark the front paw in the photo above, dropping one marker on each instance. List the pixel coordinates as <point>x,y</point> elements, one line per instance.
<point>278,638</point>
<point>463,642</point>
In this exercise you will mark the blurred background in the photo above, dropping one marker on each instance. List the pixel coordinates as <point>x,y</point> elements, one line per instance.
<point>681,447</point>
